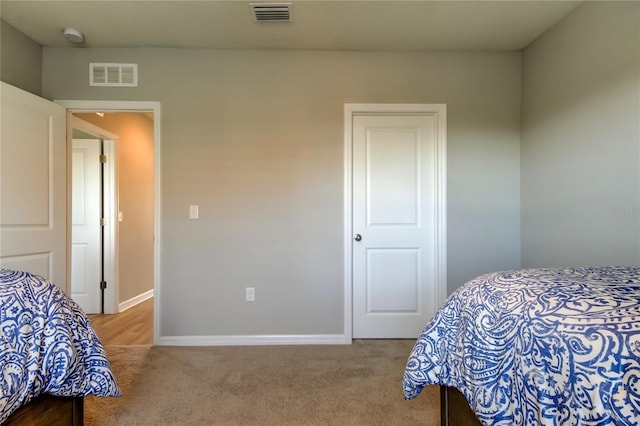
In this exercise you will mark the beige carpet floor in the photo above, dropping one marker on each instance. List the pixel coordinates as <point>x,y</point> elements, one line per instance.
<point>358,384</point>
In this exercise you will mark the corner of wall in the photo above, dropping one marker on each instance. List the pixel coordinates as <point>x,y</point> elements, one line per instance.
<point>20,60</point>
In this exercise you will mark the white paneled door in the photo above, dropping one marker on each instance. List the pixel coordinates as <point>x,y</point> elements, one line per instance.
<point>33,178</point>
<point>394,222</point>
<point>86,242</point>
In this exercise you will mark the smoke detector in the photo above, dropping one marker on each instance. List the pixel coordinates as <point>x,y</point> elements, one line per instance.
<point>73,36</point>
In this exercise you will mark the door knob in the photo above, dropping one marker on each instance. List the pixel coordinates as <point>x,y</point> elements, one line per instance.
<point>357,237</point>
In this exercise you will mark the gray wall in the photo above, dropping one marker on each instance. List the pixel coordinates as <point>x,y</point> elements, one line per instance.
<point>580,136</point>
<point>20,60</point>
<point>256,139</point>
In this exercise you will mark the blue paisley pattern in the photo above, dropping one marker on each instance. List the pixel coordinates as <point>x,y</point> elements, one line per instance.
<point>47,345</point>
<point>538,347</point>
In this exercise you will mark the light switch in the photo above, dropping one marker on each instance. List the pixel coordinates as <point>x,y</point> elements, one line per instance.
<point>120,216</point>
<point>193,212</point>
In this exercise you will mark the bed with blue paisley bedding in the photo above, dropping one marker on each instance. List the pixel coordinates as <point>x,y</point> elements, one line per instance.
<point>47,345</point>
<point>538,347</point>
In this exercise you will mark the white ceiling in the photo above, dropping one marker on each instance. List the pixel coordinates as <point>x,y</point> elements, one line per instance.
<point>418,25</point>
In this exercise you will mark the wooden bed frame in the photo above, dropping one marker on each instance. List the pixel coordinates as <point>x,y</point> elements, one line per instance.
<point>454,409</point>
<point>50,410</point>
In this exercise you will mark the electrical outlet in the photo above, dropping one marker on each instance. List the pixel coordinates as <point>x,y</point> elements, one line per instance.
<point>250,294</point>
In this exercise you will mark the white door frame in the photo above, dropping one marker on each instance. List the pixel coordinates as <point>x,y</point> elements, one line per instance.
<point>74,106</point>
<point>110,200</point>
<point>439,112</point>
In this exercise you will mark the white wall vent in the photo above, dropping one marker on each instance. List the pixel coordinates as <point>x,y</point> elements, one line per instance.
<point>113,75</point>
<point>271,12</point>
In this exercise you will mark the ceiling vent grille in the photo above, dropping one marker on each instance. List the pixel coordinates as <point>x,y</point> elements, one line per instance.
<point>272,12</point>
<point>113,75</point>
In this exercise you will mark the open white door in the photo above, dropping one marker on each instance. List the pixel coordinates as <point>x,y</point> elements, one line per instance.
<point>108,297</point>
<point>396,220</point>
<point>33,194</point>
<point>86,211</point>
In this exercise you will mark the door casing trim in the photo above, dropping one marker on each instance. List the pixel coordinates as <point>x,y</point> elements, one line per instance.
<point>137,106</point>
<point>439,111</point>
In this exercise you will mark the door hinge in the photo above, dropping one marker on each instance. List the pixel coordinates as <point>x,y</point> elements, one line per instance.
<point>103,285</point>
<point>103,158</point>
<point>103,221</point>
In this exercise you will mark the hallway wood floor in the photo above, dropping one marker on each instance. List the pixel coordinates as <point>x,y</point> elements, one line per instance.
<point>131,327</point>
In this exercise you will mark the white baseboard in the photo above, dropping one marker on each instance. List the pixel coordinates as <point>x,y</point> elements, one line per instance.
<point>135,300</point>
<point>254,340</point>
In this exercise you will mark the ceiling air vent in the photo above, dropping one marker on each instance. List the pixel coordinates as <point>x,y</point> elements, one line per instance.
<point>113,75</point>
<point>271,12</point>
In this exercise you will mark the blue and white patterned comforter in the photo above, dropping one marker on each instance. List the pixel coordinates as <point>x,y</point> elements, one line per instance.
<point>538,346</point>
<point>47,345</point>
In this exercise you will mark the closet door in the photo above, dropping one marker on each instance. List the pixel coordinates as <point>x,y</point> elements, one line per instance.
<point>397,197</point>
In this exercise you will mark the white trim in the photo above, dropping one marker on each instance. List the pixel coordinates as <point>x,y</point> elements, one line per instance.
<point>439,111</point>
<point>110,106</point>
<point>111,257</point>
<point>135,300</point>
<point>348,223</point>
<point>255,340</point>
<point>138,106</point>
<point>110,254</point>
<point>441,210</point>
